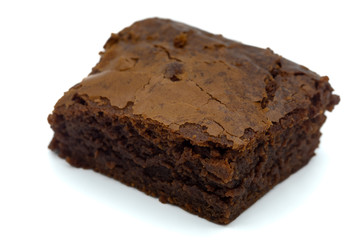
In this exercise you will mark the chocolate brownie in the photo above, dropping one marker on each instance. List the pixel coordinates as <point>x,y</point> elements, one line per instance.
<point>195,119</point>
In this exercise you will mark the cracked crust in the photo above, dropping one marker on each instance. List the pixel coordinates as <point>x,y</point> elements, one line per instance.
<point>179,76</point>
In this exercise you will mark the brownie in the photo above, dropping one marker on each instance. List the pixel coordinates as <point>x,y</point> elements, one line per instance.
<point>200,121</point>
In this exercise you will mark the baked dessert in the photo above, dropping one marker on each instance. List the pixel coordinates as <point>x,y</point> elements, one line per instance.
<point>195,119</point>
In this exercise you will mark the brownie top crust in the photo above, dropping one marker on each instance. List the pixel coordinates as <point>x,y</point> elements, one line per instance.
<point>199,85</point>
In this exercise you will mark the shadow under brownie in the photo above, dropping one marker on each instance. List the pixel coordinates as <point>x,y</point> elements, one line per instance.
<point>195,119</point>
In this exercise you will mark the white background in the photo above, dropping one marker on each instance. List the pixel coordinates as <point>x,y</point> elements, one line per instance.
<point>47,47</point>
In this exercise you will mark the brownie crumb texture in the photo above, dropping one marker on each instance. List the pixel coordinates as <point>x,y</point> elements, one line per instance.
<point>199,121</point>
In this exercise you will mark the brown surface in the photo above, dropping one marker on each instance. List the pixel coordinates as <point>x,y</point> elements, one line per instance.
<point>195,119</point>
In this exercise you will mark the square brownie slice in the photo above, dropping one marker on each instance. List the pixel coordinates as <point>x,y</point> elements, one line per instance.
<point>195,119</point>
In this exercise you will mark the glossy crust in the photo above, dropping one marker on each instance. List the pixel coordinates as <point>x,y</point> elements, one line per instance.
<point>198,120</point>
